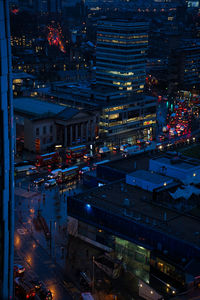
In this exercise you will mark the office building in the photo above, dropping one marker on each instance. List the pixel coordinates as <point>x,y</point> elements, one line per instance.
<point>6,158</point>
<point>184,66</point>
<point>121,54</point>
<point>48,6</point>
<point>139,211</point>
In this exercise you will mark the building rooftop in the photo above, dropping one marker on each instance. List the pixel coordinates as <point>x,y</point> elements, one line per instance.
<point>136,204</point>
<point>150,176</point>
<point>183,164</point>
<point>129,164</point>
<point>36,107</point>
<point>67,113</point>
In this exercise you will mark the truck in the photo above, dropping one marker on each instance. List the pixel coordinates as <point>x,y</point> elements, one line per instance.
<point>130,150</point>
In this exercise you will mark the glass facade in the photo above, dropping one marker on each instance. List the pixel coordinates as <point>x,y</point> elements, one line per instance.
<point>135,257</point>
<point>6,158</point>
<point>121,54</point>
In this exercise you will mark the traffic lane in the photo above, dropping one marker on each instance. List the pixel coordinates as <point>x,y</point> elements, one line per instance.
<point>38,262</point>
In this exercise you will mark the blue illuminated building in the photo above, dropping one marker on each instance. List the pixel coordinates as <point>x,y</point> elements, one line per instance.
<point>6,158</point>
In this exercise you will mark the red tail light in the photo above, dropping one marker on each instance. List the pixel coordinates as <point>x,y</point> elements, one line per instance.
<point>27,296</point>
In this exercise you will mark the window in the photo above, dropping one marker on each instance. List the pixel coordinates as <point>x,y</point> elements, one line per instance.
<point>44,140</point>
<point>37,131</point>
<point>51,129</point>
<point>44,129</point>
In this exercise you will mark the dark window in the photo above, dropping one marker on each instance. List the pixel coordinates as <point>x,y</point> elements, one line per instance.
<point>51,129</point>
<point>44,129</point>
<point>37,131</point>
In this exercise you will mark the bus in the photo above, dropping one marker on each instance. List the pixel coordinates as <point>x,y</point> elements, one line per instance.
<point>76,151</point>
<point>67,174</point>
<point>47,159</point>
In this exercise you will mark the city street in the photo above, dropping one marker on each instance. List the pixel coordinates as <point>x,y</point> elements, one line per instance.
<point>38,264</point>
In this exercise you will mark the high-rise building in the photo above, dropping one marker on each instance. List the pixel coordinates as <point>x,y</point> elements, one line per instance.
<point>6,158</point>
<point>121,54</point>
<point>48,6</point>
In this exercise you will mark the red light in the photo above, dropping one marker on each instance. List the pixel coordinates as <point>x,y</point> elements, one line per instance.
<point>27,296</point>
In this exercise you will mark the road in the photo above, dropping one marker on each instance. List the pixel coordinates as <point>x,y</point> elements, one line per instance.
<point>38,264</point>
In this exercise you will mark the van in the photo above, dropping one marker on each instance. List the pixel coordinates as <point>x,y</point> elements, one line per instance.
<point>103,150</point>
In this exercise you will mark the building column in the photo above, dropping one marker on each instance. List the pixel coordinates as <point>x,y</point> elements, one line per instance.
<point>86,131</point>
<point>92,129</point>
<point>81,132</point>
<point>65,137</point>
<point>71,135</point>
<point>76,131</point>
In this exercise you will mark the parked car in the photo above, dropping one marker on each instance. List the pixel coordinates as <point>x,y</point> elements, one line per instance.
<point>38,181</point>
<point>18,270</point>
<point>50,183</point>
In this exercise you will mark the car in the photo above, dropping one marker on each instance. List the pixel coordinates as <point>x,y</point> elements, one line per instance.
<point>84,170</point>
<point>32,172</point>
<point>50,182</point>
<point>88,156</point>
<point>24,289</point>
<point>116,148</point>
<point>148,143</point>
<point>124,146</point>
<point>37,284</point>
<point>42,291</point>
<point>18,270</point>
<point>38,181</point>
<point>45,294</point>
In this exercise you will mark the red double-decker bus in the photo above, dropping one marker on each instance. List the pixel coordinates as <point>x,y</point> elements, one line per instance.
<point>47,159</point>
<point>76,151</point>
<point>67,174</point>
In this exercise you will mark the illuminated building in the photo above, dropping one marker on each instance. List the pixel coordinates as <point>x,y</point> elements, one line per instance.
<point>134,219</point>
<point>48,6</point>
<point>184,66</point>
<point>122,116</point>
<point>6,161</point>
<point>121,54</point>
<point>193,3</point>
